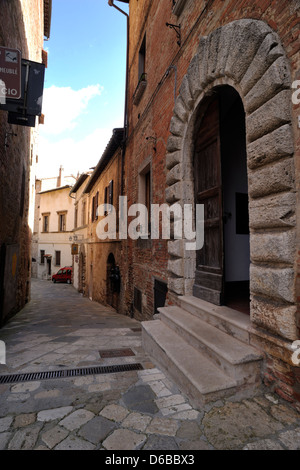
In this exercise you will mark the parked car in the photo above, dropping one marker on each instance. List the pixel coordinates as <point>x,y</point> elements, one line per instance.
<point>63,275</point>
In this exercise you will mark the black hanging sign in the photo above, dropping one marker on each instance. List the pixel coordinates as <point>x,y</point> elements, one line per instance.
<point>24,110</point>
<point>10,74</point>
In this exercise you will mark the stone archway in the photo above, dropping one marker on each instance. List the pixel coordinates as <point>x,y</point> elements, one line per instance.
<point>248,56</point>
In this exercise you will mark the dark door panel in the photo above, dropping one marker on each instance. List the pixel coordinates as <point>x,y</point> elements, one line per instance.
<point>208,188</point>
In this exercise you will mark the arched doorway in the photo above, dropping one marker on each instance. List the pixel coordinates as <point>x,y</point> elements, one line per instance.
<point>270,163</point>
<point>220,162</point>
<point>112,282</point>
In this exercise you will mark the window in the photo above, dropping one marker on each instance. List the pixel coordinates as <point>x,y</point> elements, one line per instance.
<point>178,6</point>
<point>83,214</point>
<point>76,217</point>
<point>148,195</point>
<point>142,59</point>
<point>46,223</point>
<point>108,197</point>
<point>142,78</point>
<point>62,222</point>
<point>160,293</point>
<point>57,258</point>
<point>145,191</point>
<point>42,252</point>
<point>137,299</point>
<point>95,203</point>
<point>105,200</point>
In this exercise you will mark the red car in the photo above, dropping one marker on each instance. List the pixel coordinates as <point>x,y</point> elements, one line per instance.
<point>63,275</point>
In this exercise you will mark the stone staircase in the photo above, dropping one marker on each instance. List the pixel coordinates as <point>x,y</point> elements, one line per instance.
<point>205,349</point>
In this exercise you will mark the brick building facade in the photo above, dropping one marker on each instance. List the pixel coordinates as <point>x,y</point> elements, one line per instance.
<point>103,248</point>
<point>23,25</point>
<point>211,120</point>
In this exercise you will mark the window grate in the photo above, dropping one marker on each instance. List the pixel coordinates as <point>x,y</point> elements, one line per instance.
<point>55,374</point>
<point>137,300</point>
<point>116,353</point>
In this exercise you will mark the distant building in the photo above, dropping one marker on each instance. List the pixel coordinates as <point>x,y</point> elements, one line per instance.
<point>104,257</point>
<point>53,230</point>
<point>80,232</point>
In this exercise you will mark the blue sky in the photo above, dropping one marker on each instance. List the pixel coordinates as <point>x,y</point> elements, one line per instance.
<point>84,84</point>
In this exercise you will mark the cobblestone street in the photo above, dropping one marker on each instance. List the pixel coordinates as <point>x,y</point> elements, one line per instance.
<point>124,410</point>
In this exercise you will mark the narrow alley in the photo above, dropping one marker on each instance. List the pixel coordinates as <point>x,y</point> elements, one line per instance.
<point>113,408</point>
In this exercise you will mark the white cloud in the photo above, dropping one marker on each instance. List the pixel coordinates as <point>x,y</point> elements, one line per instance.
<point>62,106</point>
<point>73,156</point>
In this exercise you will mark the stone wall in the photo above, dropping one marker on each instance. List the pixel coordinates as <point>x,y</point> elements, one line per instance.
<point>254,48</point>
<point>99,250</point>
<point>21,28</point>
<point>215,49</point>
<point>266,93</point>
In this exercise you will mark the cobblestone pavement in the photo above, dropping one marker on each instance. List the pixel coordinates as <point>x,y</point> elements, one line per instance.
<point>133,410</point>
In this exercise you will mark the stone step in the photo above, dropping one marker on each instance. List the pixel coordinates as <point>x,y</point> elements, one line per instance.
<point>194,374</point>
<point>230,321</point>
<point>237,359</point>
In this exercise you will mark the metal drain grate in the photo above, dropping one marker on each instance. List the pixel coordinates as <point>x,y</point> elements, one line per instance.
<point>56,374</point>
<point>116,353</point>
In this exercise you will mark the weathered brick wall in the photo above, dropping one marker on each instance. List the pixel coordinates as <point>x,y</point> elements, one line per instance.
<point>98,250</point>
<point>21,27</point>
<point>166,65</point>
<point>153,113</point>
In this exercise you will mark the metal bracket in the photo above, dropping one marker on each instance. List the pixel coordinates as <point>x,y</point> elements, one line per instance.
<point>6,138</point>
<point>154,141</point>
<point>177,30</point>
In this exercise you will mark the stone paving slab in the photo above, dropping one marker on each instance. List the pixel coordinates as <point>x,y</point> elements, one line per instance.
<point>136,410</point>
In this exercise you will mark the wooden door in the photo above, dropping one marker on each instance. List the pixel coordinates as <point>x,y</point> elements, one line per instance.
<point>208,191</point>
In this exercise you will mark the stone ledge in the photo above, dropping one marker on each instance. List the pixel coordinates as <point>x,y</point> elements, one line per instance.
<point>271,147</point>
<point>273,211</point>
<point>271,115</point>
<point>276,178</point>
<point>278,319</point>
<point>274,283</point>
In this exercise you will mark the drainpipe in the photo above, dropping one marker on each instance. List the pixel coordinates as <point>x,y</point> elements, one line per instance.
<point>111,3</point>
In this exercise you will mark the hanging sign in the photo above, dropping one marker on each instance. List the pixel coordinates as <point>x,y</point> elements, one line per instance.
<point>74,249</point>
<point>10,73</point>
<point>24,110</point>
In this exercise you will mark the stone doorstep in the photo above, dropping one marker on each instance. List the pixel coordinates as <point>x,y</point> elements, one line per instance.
<point>194,374</point>
<point>230,321</point>
<point>236,324</point>
<point>237,359</point>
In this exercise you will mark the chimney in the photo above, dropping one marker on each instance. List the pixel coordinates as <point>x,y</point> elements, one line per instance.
<point>60,179</point>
